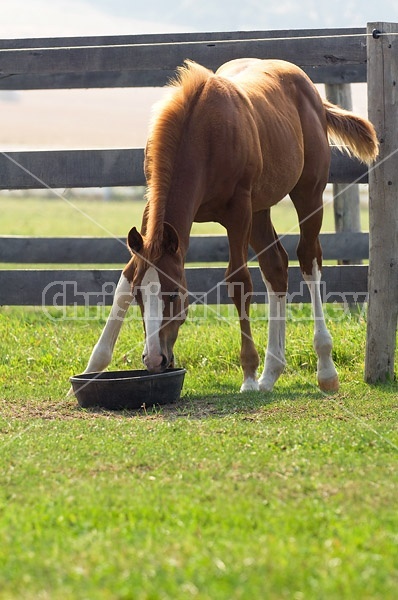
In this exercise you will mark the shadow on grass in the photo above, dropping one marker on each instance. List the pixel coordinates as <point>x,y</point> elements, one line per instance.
<point>292,399</point>
<point>204,406</point>
<point>226,401</point>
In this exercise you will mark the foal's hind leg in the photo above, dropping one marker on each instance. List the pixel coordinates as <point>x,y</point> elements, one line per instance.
<point>310,211</point>
<point>273,264</point>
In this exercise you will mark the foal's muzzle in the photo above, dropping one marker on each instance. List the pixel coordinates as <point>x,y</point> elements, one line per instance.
<point>157,365</point>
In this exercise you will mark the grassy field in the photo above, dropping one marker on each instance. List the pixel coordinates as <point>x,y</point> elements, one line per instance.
<point>220,496</point>
<point>75,215</point>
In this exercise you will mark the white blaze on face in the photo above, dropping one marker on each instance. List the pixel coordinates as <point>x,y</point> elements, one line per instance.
<point>153,316</point>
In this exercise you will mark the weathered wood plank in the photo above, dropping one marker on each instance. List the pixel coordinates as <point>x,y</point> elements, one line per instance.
<point>66,250</point>
<point>59,288</point>
<point>344,169</point>
<point>81,250</point>
<point>324,50</point>
<point>333,74</point>
<point>71,168</point>
<point>112,168</point>
<point>102,79</point>
<point>334,246</point>
<point>336,72</point>
<point>153,38</point>
<point>383,206</point>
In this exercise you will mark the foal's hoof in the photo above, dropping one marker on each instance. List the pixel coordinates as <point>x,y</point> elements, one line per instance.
<point>249,385</point>
<point>329,385</point>
<point>266,384</point>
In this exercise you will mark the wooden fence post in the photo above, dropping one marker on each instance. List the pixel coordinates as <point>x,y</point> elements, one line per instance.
<point>345,197</point>
<point>383,203</point>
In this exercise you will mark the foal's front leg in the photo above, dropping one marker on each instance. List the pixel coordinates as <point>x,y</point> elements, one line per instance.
<point>102,352</point>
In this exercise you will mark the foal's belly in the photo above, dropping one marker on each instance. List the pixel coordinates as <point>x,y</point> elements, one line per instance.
<point>275,184</point>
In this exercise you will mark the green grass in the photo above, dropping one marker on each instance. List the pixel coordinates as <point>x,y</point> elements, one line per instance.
<point>219,496</point>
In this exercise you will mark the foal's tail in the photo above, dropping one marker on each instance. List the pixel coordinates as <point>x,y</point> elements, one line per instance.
<point>357,135</point>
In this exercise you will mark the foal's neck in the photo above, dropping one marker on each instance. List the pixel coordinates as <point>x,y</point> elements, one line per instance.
<point>178,210</point>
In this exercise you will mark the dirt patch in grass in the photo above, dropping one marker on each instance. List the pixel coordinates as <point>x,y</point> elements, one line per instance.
<point>252,406</point>
<point>68,408</point>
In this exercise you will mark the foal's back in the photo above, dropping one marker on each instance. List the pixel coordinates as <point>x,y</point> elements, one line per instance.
<point>291,125</point>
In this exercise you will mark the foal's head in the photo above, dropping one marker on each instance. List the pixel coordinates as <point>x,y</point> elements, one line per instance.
<point>159,286</point>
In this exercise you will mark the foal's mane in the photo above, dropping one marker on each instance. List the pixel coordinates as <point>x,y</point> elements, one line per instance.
<point>165,133</point>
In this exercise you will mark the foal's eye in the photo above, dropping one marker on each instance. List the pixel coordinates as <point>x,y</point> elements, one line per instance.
<point>173,296</point>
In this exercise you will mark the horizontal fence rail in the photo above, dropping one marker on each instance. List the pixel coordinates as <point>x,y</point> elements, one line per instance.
<point>202,248</point>
<point>90,287</point>
<point>166,57</point>
<point>114,168</point>
<point>327,55</point>
<point>96,287</point>
<point>45,169</point>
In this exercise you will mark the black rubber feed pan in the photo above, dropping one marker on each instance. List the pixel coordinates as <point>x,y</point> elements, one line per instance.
<point>118,390</point>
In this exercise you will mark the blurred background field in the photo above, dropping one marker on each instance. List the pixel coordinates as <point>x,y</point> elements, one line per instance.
<point>111,212</point>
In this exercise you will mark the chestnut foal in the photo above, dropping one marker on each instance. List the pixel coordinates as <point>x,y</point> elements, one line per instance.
<point>226,147</point>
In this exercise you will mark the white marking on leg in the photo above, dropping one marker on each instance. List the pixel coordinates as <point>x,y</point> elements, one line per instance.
<point>102,353</point>
<point>275,356</point>
<point>153,317</point>
<point>327,374</point>
<point>249,385</point>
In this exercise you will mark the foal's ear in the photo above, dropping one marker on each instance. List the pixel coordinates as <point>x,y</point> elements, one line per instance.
<point>135,241</point>
<point>170,238</point>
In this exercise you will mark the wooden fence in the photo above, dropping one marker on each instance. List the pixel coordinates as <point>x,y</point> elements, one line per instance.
<point>93,286</point>
<point>329,56</point>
